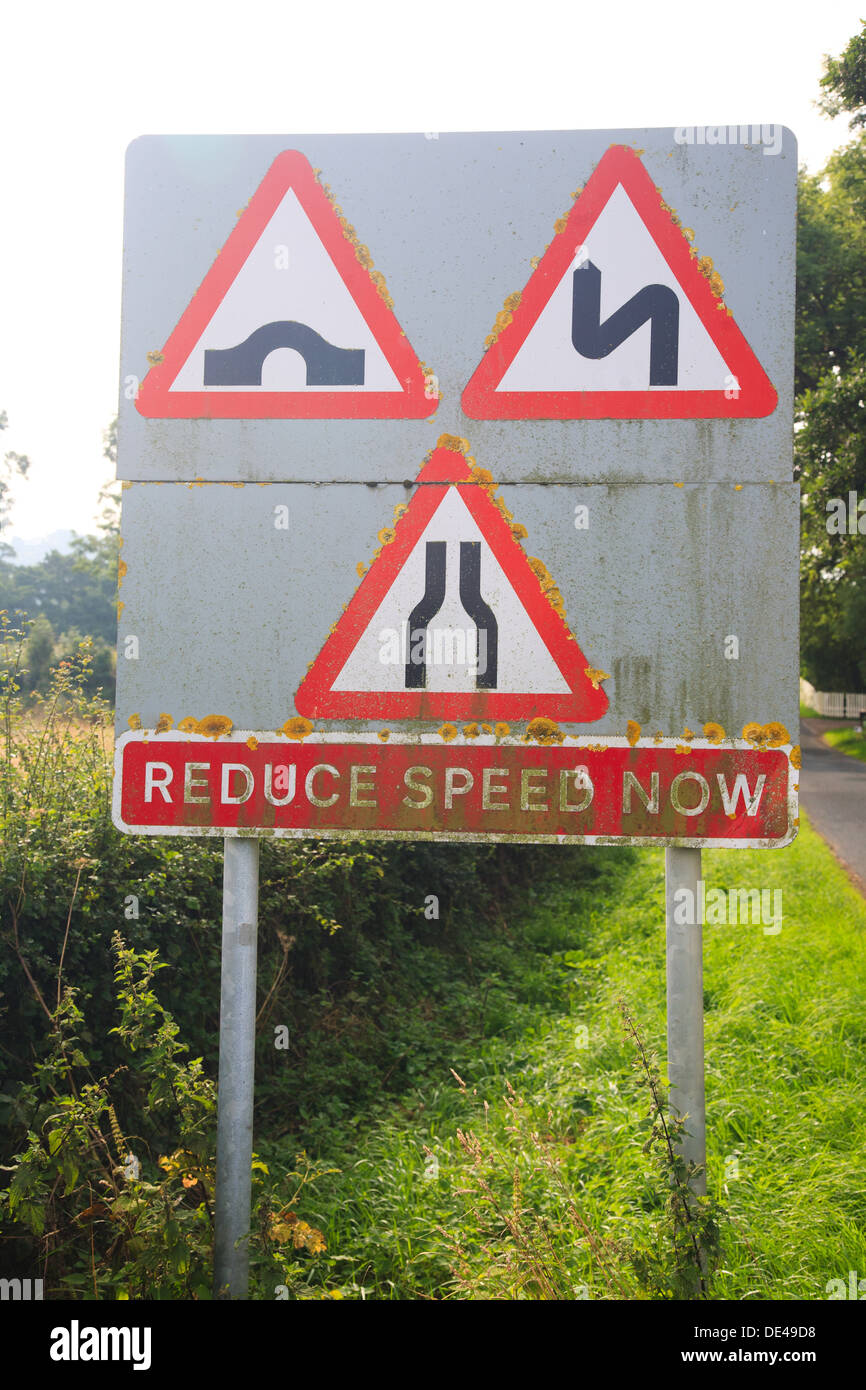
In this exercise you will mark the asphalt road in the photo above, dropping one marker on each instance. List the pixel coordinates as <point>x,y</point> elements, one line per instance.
<point>833,792</point>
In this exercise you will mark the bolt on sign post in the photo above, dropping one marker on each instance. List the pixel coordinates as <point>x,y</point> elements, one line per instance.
<point>463,527</point>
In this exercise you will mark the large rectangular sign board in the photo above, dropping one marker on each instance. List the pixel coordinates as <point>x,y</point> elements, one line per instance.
<point>458,493</point>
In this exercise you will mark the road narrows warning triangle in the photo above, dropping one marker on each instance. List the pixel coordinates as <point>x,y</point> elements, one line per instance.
<point>290,322</point>
<point>618,321</point>
<point>453,620</point>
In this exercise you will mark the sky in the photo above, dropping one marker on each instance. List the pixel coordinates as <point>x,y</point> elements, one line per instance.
<point>80,82</point>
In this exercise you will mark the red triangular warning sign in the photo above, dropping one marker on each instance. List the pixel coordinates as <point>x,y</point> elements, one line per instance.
<point>453,620</point>
<point>291,275</point>
<point>618,320</point>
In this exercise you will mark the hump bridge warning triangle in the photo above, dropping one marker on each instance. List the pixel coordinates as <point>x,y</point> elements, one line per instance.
<point>453,620</point>
<point>620,320</point>
<point>290,322</point>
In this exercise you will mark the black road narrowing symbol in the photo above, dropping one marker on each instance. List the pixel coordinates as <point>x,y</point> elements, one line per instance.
<point>475,606</point>
<point>656,303</point>
<point>242,365</point>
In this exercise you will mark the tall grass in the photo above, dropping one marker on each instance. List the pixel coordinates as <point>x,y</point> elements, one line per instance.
<point>786,1103</point>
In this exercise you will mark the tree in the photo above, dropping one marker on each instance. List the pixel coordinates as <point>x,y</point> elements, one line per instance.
<point>12,464</point>
<point>830,438</point>
<point>76,590</point>
<point>69,594</point>
<point>844,82</point>
<point>38,655</point>
<point>831,266</point>
<point>831,453</point>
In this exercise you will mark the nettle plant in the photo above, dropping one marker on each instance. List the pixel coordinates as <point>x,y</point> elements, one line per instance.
<point>121,1215</point>
<point>112,1216</point>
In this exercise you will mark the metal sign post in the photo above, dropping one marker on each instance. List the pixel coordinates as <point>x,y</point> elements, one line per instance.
<point>236,1067</point>
<point>685,1003</point>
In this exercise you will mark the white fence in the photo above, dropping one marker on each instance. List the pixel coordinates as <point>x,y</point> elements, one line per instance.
<point>837,706</point>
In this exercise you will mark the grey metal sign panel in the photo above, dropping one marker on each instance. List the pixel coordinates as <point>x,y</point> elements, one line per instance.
<point>454,223</point>
<point>683,599</point>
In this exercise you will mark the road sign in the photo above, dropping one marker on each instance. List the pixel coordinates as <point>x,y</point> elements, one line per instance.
<point>453,620</point>
<point>450,785</point>
<point>290,322</point>
<point>230,594</point>
<point>620,319</point>
<point>454,224</point>
<point>537,628</point>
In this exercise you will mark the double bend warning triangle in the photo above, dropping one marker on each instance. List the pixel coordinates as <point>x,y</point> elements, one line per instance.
<point>453,620</point>
<point>620,319</point>
<point>292,275</point>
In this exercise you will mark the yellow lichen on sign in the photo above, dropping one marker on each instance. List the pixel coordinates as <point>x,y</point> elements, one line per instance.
<point>453,441</point>
<point>503,318</point>
<point>777,734</point>
<point>632,732</point>
<point>596,677</point>
<point>362,253</point>
<point>772,735</point>
<point>297,728</point>
<point>214,726</point>
<point>543,730</point>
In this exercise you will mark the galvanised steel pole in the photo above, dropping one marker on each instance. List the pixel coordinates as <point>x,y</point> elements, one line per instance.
<point>236,1067</point>
<point>685,1000</point>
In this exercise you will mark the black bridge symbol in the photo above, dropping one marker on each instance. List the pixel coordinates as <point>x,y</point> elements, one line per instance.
<point>470,596</point>
<point>656,303</point>
<point>242,365</point>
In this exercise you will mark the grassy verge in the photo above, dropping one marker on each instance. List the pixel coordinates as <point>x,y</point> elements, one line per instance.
<point>786,1108</point>
<point>847,741</point>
